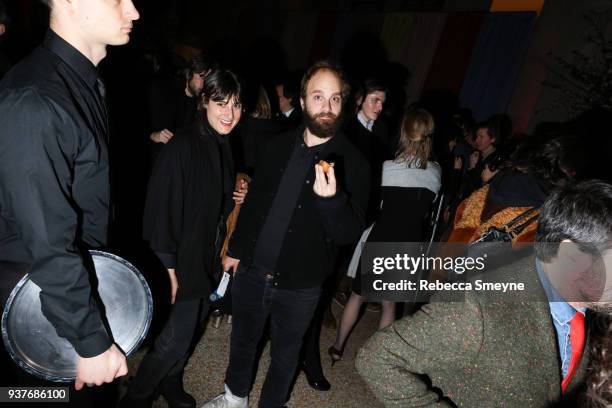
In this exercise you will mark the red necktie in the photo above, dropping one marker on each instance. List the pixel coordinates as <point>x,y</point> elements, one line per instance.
<point>577,342</point>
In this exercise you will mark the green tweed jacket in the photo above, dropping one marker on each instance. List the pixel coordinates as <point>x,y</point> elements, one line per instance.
<point>483,352</point>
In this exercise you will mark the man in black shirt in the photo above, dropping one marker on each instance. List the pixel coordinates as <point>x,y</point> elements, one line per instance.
<point>290,227</point>
<point>54,187</point>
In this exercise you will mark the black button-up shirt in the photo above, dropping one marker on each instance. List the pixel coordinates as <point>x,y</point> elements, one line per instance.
<point>275,227</point>
<point>317,225</point>
<point>54,187</point>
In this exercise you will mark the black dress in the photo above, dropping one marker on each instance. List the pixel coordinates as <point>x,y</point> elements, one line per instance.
<point>406,204</point>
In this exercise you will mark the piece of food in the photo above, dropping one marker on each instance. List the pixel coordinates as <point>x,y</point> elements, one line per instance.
<point>326,166</point>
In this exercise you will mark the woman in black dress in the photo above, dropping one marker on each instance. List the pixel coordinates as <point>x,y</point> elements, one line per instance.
<point>410,184</point>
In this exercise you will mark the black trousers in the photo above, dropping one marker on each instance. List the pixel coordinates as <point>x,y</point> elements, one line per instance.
<point>311,351</point>
<point>255,299</point>
<point>166,360</point>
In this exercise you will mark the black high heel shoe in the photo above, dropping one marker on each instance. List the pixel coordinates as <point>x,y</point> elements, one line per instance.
<point>334,354</point>
<point>316,379</point>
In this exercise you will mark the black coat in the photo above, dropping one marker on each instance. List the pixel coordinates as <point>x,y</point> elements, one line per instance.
<point>395,223</point>
<point>169,108</point>
<point>375,147</point>
<point>318,225</point>
<point>249,139</point>
<point>189,195</point>
<point>292,121</point>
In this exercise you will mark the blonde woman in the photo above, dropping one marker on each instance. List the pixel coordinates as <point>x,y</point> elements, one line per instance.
<point>410,184</point>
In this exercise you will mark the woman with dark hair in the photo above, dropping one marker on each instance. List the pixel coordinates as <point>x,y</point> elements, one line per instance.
<point>189,195</point>
<point>409,185</point>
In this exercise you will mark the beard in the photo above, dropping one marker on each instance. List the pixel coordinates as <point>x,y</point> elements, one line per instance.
<point>323,125</point>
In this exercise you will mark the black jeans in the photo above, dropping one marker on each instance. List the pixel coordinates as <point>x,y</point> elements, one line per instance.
<point>311,351</point>
<point>290,311</point>
<point>167,358</point>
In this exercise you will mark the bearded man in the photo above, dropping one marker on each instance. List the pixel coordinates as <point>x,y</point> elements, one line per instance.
<point>291,224</point>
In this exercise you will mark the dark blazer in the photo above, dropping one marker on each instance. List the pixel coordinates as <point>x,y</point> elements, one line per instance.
<point>483,352</point>
<point>292,121</point>
<point>318,225</point>
<point>189,194</point>
<point>169,108</point>
<point>374,146</point>
<point>249,140</point>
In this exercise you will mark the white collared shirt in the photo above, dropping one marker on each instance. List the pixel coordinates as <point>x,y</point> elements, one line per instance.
<point>368,124</point>
<point>288,112</point>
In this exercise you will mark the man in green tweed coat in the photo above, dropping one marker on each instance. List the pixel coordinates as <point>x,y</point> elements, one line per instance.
<point>490,351</point>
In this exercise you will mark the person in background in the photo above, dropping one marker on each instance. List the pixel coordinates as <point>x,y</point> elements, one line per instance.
<point>475,159</point>
<point>490,140</point>
<point>369,135</point>
<point>368,132</point>
<point>288,93</point>
<point>174,105</point>
<point>523,183</point>
<point>409,185</point>
<point>462,142</point>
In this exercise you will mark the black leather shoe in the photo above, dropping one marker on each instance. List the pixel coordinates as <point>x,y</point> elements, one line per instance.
<point>175,395</point>
<point>316,380</point>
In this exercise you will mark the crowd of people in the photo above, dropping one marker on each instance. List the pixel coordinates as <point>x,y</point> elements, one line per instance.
<point>283,186</point>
